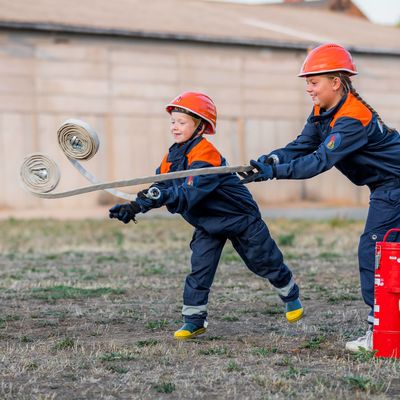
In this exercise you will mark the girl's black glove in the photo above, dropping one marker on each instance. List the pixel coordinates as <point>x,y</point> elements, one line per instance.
<point>263,170</point>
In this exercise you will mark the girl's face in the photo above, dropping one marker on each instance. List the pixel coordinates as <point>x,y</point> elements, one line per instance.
<point>325,92</point>
<point>182,126</point>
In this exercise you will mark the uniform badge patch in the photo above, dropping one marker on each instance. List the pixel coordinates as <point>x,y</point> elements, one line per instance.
<point>333,141</point>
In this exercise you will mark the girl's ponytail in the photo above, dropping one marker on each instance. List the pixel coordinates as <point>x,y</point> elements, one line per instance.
<point>348,87</point>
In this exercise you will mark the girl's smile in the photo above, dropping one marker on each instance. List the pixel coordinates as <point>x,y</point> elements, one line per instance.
<point>324,91</point>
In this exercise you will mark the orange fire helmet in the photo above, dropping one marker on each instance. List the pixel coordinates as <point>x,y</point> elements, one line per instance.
<point>328,58</point>
<point>198,104</point>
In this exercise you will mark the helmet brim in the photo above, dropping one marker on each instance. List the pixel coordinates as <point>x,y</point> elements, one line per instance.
<point>327,71</point>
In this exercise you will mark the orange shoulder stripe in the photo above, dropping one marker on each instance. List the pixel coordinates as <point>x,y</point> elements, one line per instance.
<point>165,165</point>
<point>206,152</point>
<point>353,108</point>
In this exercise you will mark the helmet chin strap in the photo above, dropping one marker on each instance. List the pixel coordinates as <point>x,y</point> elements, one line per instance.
<point>193,115</point>
<point>197,130</point>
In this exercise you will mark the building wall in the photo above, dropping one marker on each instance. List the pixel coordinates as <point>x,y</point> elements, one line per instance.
<point>120,87</point>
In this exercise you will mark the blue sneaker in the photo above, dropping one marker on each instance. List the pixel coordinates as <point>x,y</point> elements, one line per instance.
<point>189,331</point>
<point>294,310</point>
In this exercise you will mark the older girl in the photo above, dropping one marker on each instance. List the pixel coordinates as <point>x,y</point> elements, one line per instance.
<point>344,131</point>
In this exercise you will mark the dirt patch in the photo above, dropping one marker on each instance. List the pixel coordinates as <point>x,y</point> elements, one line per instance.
<point>88,310</point>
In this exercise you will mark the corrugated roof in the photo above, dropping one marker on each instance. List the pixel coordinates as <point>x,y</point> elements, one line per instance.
<point>202,20</point>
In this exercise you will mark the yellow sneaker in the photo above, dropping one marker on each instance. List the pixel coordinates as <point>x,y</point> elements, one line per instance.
<point>294,310</point>
<point>189,331</point>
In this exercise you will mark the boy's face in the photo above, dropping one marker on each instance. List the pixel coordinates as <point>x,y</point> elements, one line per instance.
<point>182,126</point>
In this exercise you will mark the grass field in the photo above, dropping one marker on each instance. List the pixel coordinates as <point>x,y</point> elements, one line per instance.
<point>88,310</point>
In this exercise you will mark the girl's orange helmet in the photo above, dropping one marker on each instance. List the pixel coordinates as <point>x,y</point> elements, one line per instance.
<point>198,104</point>
<point>328,58</point>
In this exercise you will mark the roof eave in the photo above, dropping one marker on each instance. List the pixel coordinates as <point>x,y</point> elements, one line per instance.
<point>193,38</point>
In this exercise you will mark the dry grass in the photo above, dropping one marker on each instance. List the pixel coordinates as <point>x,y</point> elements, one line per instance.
<point>88,310</point>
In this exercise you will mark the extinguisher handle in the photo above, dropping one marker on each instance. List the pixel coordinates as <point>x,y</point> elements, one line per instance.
<point>389,232</point>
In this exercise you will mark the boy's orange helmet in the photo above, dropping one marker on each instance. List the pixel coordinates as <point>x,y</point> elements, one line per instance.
<point>198,104</point>
<point>328,58</point>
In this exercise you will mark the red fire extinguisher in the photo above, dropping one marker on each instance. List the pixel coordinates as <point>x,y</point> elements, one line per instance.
<point>386,334</point>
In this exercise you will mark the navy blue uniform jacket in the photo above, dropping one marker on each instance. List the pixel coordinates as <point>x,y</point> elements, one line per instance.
<point>348,137</point>
<point>218,204</point>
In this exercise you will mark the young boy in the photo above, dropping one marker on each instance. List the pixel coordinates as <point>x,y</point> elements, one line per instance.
<point>218,206</point>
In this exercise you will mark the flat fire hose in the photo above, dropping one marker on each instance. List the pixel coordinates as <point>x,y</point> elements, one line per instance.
<point>40,174</point>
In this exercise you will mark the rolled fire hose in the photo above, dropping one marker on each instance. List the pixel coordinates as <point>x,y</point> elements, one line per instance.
<point>40,174</point>
<point>79,141</point>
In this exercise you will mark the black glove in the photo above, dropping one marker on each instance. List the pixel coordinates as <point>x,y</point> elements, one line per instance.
<point>255,176</point>
<point>263,172</point>
<point>268,160</point>
<point>143,194</point>
<point>152,193</point>
<point>125,212</point>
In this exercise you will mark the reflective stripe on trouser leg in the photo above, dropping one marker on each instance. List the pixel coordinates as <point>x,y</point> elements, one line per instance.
<point>285,290</point>
<point>370,318</point>
<point>263,257</point>
<point>195,313</point>
<point>191,310</point>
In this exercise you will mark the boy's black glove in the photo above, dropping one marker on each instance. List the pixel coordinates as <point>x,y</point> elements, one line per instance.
<point>152,193</point>
<point>143,194</point>
<point>125,212</point>
<point>150,198</point>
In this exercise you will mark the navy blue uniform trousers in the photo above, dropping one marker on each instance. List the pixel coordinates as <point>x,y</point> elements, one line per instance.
<point>258,251</point>
<point>383,214</point>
